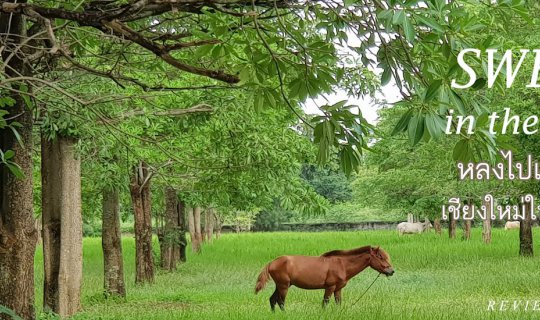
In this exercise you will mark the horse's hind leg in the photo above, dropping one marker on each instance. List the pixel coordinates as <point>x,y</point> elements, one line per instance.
<point>274,300</point>
<point>282,294</point>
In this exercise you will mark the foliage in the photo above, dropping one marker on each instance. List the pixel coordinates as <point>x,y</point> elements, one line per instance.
<point>327,182</point>
<point>280,53</point>
<point>271,219</point>
<point>241,220</point>
<point>353,211</point>
<point>6,156</point>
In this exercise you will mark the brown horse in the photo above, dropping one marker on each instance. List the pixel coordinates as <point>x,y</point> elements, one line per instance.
<point>330,271</point>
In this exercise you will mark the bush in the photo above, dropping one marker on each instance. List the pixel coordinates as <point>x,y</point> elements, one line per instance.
<point>89,231</point>
<point>270,220</point>
<point>353,212</point>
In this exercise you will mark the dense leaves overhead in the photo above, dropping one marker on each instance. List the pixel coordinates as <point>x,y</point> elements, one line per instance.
<point>209,93</point>
<point>283,51</point>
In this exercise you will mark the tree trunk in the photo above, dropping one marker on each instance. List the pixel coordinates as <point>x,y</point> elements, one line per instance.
<point>437,226</point>
<point>181,244</point>
<point>525,233</point>
<point>62,226</point>
<point>195,242</point>
<point>112,245</point>
<point>197,220</point>
<point>140,196</point>
<point>204,214</point>
<point>466,229</point>
<point>218,224</point>
<point>486,225</point>
<point>170,230</point>
<point>206,225</point>
<point>38,225</point>
<point>18,235</point>
<point>209,224</point>
<point>451,227</point>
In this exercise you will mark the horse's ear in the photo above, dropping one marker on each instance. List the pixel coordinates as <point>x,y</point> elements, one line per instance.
<point>377,249</point>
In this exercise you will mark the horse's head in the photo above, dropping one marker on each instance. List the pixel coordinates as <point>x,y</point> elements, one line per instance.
<point>380,261</point>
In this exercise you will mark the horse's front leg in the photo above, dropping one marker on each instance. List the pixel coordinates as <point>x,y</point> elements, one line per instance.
<point>327,294</point>
<point>337,296</point>
<point>337,293</point>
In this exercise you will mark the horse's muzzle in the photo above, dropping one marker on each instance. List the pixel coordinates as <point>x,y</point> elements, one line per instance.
<point>389,271</point>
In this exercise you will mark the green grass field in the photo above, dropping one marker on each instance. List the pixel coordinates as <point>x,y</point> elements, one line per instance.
<point>436,278</point>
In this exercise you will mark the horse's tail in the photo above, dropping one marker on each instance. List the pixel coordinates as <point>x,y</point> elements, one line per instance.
<point>263,278</point>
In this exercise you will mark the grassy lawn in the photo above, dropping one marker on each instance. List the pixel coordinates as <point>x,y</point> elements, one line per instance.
<point>435,279</point>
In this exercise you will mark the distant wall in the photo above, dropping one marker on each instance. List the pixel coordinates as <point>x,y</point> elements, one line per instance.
<point>329,226</point>
<point>354,226</point>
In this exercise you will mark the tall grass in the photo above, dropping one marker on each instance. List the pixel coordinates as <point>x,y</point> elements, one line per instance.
<point>436,278</point>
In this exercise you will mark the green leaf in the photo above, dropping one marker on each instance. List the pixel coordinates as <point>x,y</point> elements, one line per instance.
<point>16,170</point>
<point>479,84</point>
<point>457,101</point>
<point>8,155</point>
<point>258,102</point>
<point>17,135</point>
<point>408,28</point>
<point>430,23</point>
<point>399,17</point>
<point>385,14</point>
<point>482,120</point>
<point>416,128</point>
<point>386,76</point>
<point>324,135</point>
<point>9,312</point>
<point>7,102</point>
<point>403,122</point>
<point>432,90</point>
<point>435,125</point>
<point>462,151</point>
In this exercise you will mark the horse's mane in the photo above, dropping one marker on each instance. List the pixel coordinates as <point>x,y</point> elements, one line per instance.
<point>351,252</point>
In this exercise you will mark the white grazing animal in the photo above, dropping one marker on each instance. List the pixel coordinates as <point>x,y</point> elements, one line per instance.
<point>413,227</point>
<point>511,225</point>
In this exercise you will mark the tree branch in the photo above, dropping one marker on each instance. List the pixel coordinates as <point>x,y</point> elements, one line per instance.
<point>199,108</point>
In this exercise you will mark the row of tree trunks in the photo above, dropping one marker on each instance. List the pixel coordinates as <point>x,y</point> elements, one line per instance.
<point>62,225</point>
<point>172,238</point>
<point>111,242</point>
<point>141,199</point>
<point>18,235</point>
<point>467,224</point>
<point>212,225</point>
